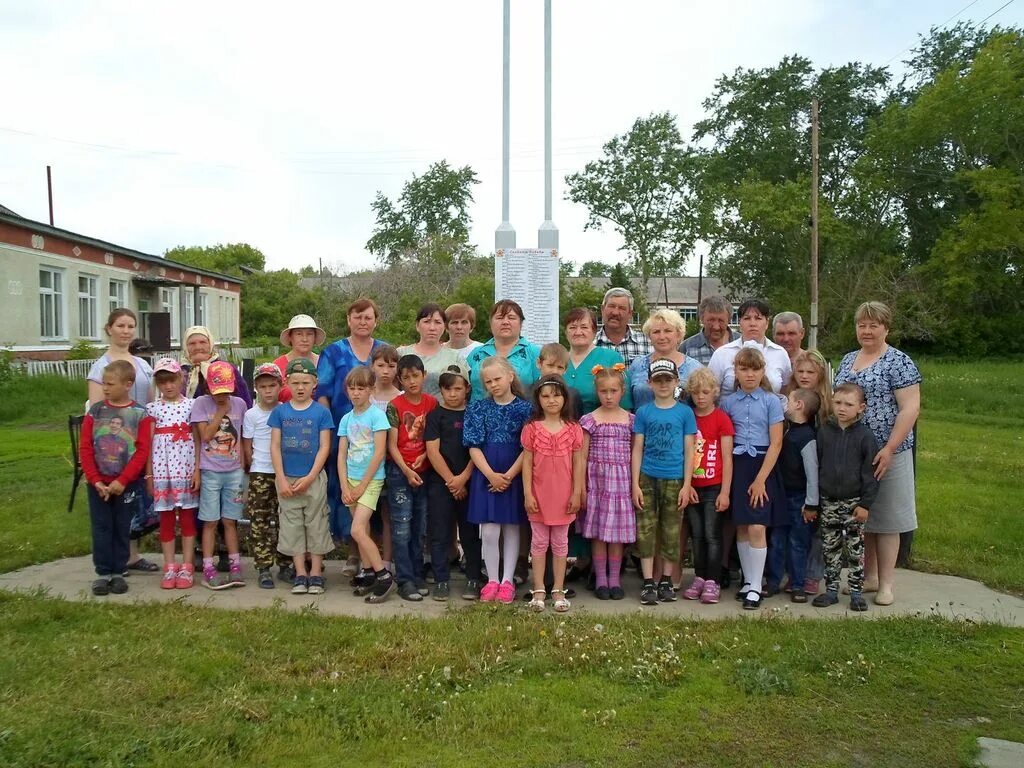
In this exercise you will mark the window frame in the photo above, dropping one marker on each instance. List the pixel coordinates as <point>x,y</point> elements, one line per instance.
<point>57,303</point>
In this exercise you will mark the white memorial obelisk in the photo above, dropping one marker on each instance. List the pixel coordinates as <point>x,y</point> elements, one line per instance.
<point>505,234</point>
<point>547,235</point>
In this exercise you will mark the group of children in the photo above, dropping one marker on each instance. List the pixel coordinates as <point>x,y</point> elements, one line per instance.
<point>422,469</point>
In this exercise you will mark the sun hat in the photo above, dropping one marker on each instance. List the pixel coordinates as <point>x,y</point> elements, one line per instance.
<point>302,321</point>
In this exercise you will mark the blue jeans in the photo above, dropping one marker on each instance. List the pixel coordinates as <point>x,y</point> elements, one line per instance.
<point>408,524</point>
<point>789,544</point>
<point>111,521</point>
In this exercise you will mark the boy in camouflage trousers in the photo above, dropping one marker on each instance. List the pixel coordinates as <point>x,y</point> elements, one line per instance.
<point>261,507</point>
<point>846,450</point>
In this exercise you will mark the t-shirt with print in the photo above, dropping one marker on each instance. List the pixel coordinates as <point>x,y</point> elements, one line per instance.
<point>223,453</point>
<point>256,428</point>
<point>707,455</point>
<point>300,435</point>
<point>410,419</point>
<point>663,430</point>
<point>115,443</point>
<point>445,426</point>
<point>359,429</point>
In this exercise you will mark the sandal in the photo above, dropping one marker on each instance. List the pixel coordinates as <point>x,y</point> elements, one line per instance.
<point>561,604</point>
<point>537,603</point>
<point>142,564</point>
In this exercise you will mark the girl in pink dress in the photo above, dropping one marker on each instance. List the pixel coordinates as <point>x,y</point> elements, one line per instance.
<point>553,467</point>
<point>610,521</point>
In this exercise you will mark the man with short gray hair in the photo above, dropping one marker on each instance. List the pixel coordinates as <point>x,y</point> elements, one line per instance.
<point>616,312</point>
<point>714,312</point>
<point>788,332</point>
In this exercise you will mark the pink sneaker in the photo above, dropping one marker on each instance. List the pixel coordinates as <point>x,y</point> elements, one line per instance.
<point>170,577</point>
<point>186,576</point>
<point>490,592</point>
<point>507,592</point>
<point>696,588</point>
<point>712,592</point>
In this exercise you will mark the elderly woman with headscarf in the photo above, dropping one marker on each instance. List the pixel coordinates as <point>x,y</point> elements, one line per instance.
<point>200,352</point>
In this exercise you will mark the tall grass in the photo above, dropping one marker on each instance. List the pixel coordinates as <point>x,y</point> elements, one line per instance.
<point>41,400</point>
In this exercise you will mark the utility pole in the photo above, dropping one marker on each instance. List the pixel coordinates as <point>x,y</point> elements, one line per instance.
<point>505,234</point>
<point>49,192</point>
<point>812,341</point>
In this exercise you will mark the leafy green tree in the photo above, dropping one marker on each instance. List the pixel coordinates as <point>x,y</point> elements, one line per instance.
<point>270,299</point>
<point>642,186</point>
<point>592,269</point>
<point>228,259</point>
<point>429,221</point>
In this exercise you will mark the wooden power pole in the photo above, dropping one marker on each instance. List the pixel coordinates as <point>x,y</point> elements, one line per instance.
<point>812,341</point>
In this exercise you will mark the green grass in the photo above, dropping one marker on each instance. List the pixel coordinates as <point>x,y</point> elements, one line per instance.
<point>173,684</point>
<point>46,400</point>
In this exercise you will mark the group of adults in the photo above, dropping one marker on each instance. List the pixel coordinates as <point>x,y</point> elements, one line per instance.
<point>889,378</point>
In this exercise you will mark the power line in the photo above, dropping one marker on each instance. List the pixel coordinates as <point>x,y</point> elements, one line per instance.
<point>940,26</point>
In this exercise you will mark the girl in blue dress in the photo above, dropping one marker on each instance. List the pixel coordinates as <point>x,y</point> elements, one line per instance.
<point>492,433</point>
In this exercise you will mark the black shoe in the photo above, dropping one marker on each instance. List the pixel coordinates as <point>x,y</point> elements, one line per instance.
<point>649,594</point>
<point>857,602</point>
<point>616,593</point>
<point>520,574</point>
<point>771,591</point>
<point>118,586</point>
<point>223,564</point>
<point>825,599</point>
<point>285,573</point>
<point>421,587</point>
<point>752,601</point>
<point>741,595</point>
<point>471,591</point>
<point>101,586</point>
<point>364,577</point>
<point>570,593</point>
<point>382,590</point>
<point>603,593</point>
<point>592,581</point>
<point>408,591</point>
<point>367,584</point>
<point>442,592</point>
<point>665,592</point>
<point>725,579</point>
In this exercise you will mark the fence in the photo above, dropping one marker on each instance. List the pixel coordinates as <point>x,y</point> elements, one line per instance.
<point>79,369</point>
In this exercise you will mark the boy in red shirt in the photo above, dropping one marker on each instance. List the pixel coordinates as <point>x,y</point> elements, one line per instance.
<point>116,437</point>
<point>407,493</point>
<point>712,479</point>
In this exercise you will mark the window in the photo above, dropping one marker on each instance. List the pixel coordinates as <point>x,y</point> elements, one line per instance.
<point>227,321</point>
<point>204,310</point>
<point>51,303</point>
<point>88,303</point>
<point>117,291</point>
<point>169,304</point>
<point>688,313</point>
<point>190,318</point>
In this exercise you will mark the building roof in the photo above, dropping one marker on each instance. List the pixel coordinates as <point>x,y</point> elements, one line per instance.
<point>669,291</point>
<point>8,216</point>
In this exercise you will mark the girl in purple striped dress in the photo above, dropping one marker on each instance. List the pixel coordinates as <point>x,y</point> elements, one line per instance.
<point>610,520</point>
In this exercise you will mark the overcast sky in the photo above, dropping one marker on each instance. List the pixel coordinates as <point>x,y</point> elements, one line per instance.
<point>196,123</point>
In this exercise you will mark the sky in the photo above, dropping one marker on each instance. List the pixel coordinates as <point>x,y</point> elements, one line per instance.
<point>200,123</point>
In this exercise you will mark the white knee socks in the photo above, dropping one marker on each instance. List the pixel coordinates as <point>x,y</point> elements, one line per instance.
<point>490,533</point>
<point>510,551</point>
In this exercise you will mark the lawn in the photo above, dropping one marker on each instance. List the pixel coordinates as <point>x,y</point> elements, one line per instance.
<point>103,684</point>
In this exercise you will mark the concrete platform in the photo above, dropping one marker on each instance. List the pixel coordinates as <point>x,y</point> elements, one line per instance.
<point>998,753</point>
<point>917,594</point>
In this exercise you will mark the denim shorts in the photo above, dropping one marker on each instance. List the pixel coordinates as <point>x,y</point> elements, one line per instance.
<point>221,495</point>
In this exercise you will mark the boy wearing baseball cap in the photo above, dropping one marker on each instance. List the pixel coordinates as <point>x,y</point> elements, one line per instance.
<point>261,504</point>
<point>300,443</point>
<point>663,435</point>
<point>217,420</point>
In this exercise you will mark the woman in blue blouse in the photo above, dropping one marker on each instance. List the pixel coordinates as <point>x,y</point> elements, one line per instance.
<point>333,366</point>
<point>506,341</point>
<point>666,329</point>
<point>892,387</point>
<point>584,355</point>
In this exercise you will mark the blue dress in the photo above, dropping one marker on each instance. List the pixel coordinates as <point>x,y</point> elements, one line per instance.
<point>495,430</point>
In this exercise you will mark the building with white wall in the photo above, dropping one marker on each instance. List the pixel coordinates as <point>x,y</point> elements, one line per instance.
<point>59,287</point>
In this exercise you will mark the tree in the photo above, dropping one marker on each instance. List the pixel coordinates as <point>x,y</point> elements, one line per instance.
<point>592,269</point>
<point>270,299</point>
<point>228,259</point>
<point>643,186</point>
<point>429,221</point>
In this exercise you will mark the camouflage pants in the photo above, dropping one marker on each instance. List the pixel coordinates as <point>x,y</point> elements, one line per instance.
<point>657,524</point>
<point>836,522</point>
<point>261,509</point>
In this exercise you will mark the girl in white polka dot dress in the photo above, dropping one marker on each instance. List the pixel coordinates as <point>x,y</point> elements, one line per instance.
<point>172,477</point>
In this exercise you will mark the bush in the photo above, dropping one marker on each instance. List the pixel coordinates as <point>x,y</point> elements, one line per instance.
<point>83,349</point>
